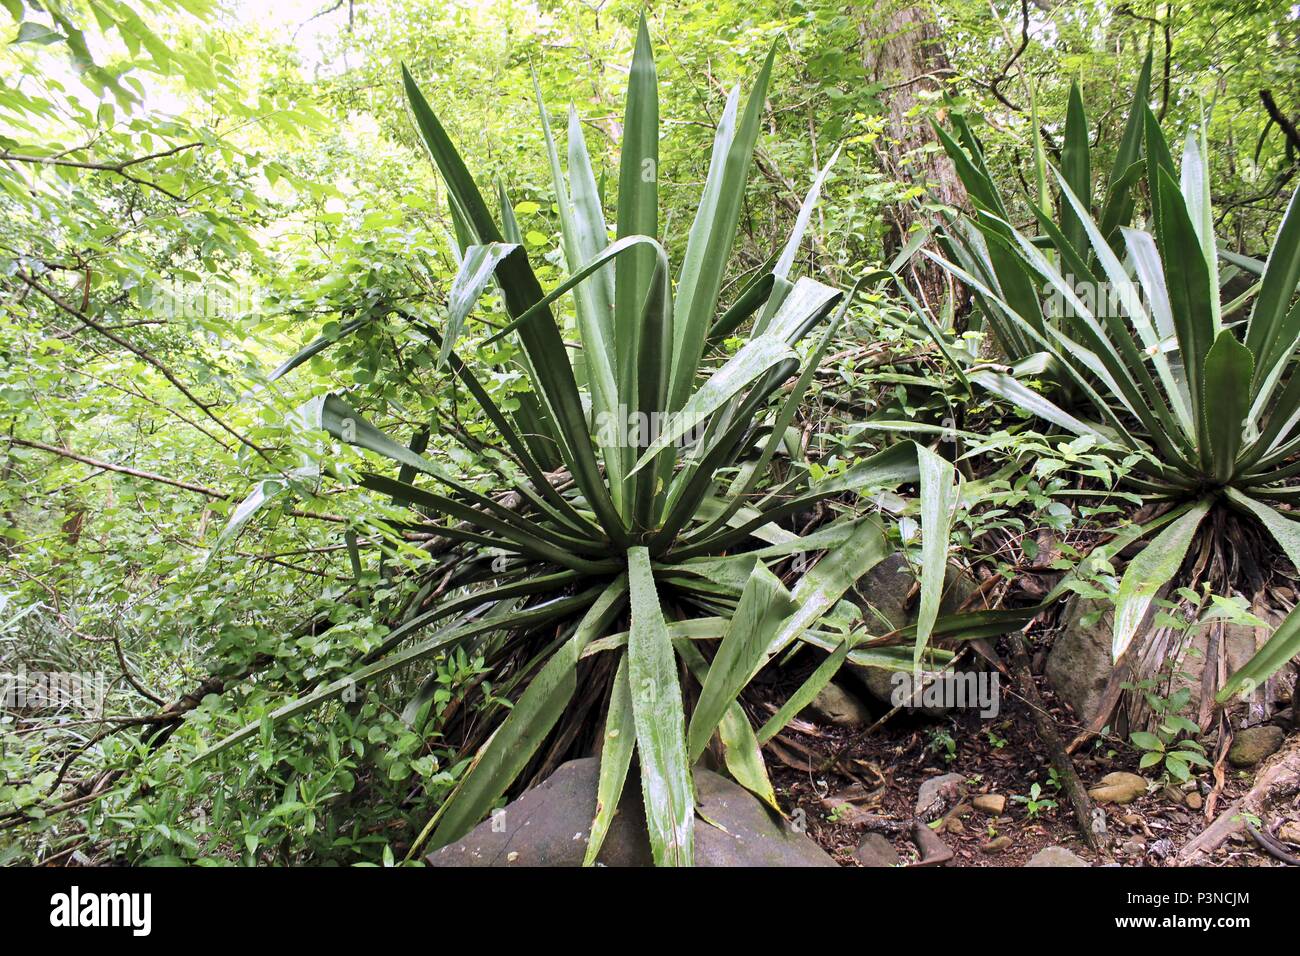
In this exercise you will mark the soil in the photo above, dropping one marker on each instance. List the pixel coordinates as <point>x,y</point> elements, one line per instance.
<point>1001,755</point>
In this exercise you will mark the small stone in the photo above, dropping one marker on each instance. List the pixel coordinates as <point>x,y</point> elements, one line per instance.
<point>1162,848</point>
<point>1130,820</point>
<point>938,793</point>
<point>1253,744</point>
<point>1119,787</point>
<point>1134,848</point>
<point>512,856</point>
<point>837,706</point>
<point>1194,801</point>
<point>934,852</point>
<point>991,803</point>
<point>876,850</point>
<point>1290,832</point>
<point>1171,793</point>
<point>954,825</point>
<point>997,844</point>
<point>1056,856</point>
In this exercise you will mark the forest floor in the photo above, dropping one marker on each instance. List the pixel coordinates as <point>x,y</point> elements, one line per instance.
<point>881,772</point>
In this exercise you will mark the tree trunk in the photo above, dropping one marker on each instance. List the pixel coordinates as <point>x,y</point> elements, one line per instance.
<point>903,51</point>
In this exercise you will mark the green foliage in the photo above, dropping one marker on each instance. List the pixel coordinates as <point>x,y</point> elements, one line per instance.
<point>191,191</point>
<point>671,529</point>
<point>986,247</point>
<point>1200,406</point>
<point>1034,802</point>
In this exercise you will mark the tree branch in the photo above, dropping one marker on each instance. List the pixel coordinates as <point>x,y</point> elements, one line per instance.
<point>120,469</point>
<point>119,168</point>
<point>1280,118</point>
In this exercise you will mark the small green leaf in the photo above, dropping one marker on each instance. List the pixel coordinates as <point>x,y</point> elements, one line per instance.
<point>1147,741</point>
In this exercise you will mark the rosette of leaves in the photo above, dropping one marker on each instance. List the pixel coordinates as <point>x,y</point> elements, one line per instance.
<point>654,557</point>
<point>1199,394</point>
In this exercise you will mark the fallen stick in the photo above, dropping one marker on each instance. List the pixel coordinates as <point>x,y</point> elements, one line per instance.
<point>1092,821</point>
<point>1278,779</point>
<point>1272,846</point>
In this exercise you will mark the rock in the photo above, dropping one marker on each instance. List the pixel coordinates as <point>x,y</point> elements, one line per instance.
<point>876,850</point>
<point>1135,847</point>
<point>548,826</point>
<point>1119,787</point>
<point>934,852</point>
<point>953,824</point>
<point>1163,848</point>
<point>938,793</point>
<point>991,803</point>
<point>1171,793</point>
<point>997,844</point>
<point>1239,643</point>
<point>1194,801</point>
<point>1079,664</point>
<point>881,683</point>
<point>1253,744</point>
<point>1290,832</point>
<point>837,706</point>
<point>1056,856</point>
<point>883,595</point>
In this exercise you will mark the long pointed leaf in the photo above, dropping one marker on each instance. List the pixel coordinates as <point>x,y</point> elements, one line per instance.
<point>617,745</point>
<point>1148,572</point>
<point>666,782</point>
<point>764,604</point>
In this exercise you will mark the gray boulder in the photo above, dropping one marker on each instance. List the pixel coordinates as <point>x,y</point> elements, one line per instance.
<point>837,706</point>
<point>885,596</point>
<point>1079,665</point>
<point>549,824</point>
<point>883,593</point>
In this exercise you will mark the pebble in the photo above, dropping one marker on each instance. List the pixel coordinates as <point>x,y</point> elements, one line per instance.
<point>1119,787</point>
<point>991,803</point>
<point>876,850</point>
<point>1162,848</point>
<point>937,793</point>
<point>1253,744</point>
<point>997,844</point>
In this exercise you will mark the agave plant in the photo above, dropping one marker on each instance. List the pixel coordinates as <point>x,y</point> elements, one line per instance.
<point>654,551</point>
<point>1206,404</point>
<point>985,247</point>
